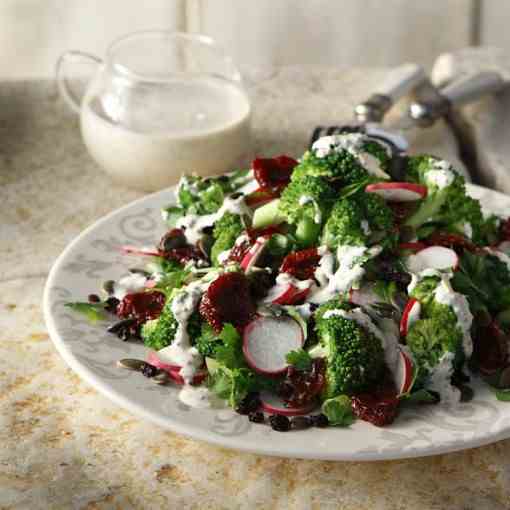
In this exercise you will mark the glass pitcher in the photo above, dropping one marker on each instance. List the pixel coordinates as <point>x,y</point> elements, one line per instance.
<point>161,104</point>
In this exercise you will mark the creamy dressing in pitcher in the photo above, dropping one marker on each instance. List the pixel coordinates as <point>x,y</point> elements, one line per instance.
<point>148,138</point>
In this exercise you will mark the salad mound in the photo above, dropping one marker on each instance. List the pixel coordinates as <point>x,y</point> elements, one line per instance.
<point>322,290</point>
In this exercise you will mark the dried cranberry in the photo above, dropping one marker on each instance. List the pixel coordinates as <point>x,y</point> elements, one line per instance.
<point>301,264</point>
<point>184,254</point>
<point>260,283</point>
<point>456,242</point>
<point>228,299</point>
<point>239,250</point>
<point>273,172</point>
<point>490,348</point>
<point>279,423</point>
<point>377,409</point>
<point>174,238</point>
<point>300,387</point>
<point>142,306</point>
<point>248,404</point>
<point>301,422</point>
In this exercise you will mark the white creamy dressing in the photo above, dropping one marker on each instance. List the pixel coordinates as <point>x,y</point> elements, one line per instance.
<point>250,184</point>
<point>441,174</point>
<point>348,274</point>
<point>440,380</point>
<point>196,396</point>
<point>195,224</point>
<point>304,310</point>
<point>388,337</point>
<point>445,295</point>
<point>365,227</point>
<point>468,230</point>
<point>305,199</point>
<point>133,282</point>
<point>352,143</point>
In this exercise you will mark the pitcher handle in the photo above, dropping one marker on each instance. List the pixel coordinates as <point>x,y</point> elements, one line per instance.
<point>72,99</point>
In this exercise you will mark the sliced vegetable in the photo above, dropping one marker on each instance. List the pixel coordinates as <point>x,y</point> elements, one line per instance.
<point>410,315</point>
<point>398,191</point>
<point>275,405</point>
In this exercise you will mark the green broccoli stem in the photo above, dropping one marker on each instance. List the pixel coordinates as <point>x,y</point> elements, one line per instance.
<point>307,232</point>
<point>428,209</point>
<point>268,214</point>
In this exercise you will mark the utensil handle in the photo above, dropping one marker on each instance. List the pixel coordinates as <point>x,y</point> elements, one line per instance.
<point>401,81</point>
<point>472,87</point>
<point>65,88</point>
<point>397,84</point>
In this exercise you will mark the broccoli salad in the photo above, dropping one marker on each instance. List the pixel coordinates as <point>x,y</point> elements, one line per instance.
<point>342,286</point>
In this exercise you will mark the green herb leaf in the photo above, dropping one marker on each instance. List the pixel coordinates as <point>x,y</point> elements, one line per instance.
<point>300,359</point>
<point>503,395</point>
<point>230,353</point>
<point>421,396</point>
<point>93,311</point>
<point>339,411</point>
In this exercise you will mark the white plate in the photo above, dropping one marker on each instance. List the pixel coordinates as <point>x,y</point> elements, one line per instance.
<point>94,257</point>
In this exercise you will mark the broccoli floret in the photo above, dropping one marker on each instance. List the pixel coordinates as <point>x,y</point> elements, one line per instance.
<point>359,220</point>
<point>340,165</point>
<point>449,207</point>
<point>159,333</point>
<point>434,335</point>
<point>226,230</point>
<point>355,357</point>
<point>305,203</point>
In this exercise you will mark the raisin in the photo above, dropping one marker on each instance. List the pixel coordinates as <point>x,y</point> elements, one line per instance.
<point>279,423</point>
<point>256,417</point>
<point>125,329</point>
<point>248,404</point>
<point>301,422</point>
<point>504,230</point>
<point>149,370</point>
<point>273,172</point>
<point>111,304</point>
<point>320,420</point>
<point>172,239</point>
<point>94,298</point>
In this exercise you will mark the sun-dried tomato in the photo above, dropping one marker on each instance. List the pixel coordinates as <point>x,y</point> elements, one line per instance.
<point>142,306</point>
<point>490,348</point>
<point>183,255</point>
<point>273,172</point>
<point>228,299</point>
<point>301,264</point>
<point>300,387</point>
<point>456,242</point>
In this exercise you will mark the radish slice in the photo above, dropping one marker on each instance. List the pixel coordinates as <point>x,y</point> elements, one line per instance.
<point>154,359</point>
<point>289,291</point>
<point>433,257</point>
<point>404,373</point>
<point>398,191</point>
<point>268,340</point>
<point>410,315</point>
<point>134,250</point>
<point>253,254</point>
<point>198,378</point>
<point>290,295</point>
<point>275,405</point>
<point>412,246</point>
<point>365,296</point>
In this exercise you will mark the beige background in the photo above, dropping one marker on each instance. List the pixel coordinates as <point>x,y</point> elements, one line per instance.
<point>337,33</point>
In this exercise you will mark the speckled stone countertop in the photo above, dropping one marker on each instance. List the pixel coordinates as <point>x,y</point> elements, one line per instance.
<point>62,445</point>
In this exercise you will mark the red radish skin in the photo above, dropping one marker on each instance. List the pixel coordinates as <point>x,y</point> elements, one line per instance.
<point>290,296</point>
<point>268,340</point>
<point>410,315</point>
<point>135,250</point>
<point>398,191</point>
<point>274,405</point>
<point>404,373</point>
<point>433,257</point>
<point>412,246</point>
<point>153,359</point>
<point>253,254</point>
